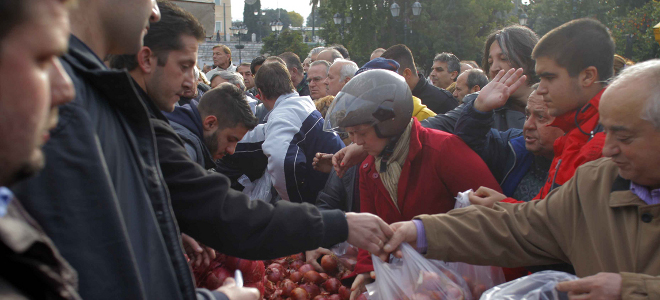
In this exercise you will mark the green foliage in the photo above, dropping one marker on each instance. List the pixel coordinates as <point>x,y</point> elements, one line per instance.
<point>287,41</point>
<point>454,26</point>
<point>296,19</point>
<point>637,26</point>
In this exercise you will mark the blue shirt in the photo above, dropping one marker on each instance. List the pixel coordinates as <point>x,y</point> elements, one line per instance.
<point>650,197</point>
<point>5,197</point>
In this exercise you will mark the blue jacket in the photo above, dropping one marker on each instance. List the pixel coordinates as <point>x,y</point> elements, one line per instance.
<point>503,152</point>
<point>290,138</point>
<point>187,122</point>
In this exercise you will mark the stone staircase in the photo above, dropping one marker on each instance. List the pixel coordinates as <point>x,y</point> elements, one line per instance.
<point>251,50</point>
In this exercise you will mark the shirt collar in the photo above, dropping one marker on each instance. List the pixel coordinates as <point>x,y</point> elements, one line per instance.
<point>5,198</point>
<point>649,196</point>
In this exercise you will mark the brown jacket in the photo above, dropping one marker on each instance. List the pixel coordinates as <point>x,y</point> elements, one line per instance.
<point>593,221</point>
<point>31,267</point>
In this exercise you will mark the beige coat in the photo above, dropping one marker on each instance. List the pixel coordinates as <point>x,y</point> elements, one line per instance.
<point>593,221</point>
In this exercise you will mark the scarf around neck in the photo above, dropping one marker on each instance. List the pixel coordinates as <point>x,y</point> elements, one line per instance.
<point>390,177</point>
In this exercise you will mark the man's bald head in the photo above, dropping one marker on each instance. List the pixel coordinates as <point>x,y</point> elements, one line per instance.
<point>329,55</point>
<point>630,114</point>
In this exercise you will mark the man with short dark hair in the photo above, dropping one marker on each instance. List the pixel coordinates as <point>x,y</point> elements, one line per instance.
<point>32,86</point>
<point>298,77</point>
<point>342,50</point>
<point>212,128</point>
<point>438,100</point>
<point>316,75</point>
<point>256,64</point>
<point>248,78</point>
<point>376,53</point>
<point>446,68</point>
<point>470,81</point>
<point>292,119</point>
<point>329,55</point>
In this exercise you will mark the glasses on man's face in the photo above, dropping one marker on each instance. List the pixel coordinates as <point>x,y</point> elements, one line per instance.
<point>315,80</point>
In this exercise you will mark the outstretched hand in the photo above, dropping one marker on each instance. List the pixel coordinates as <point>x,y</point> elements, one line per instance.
<point>495,94</point>
<point>485,197</point>
<point>347,157</point>
<point>198,254</point>
<point>322,162</point>
<point>368,232</point>
<point>599,286</point>
<point>404,232</point>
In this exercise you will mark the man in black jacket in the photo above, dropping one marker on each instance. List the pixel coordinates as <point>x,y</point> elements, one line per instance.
<point>438,100</point>
<point>32,85</point>
<point>101,198</point>
<point>205,206</point>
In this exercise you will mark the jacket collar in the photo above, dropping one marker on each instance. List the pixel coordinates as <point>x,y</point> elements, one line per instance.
<point>303,83</point>
<point>281,98</point>
<point>567,121</point>
<point>154,112</point>
<point>82,56</point>
<point>421,85</point>
<point>621,195</point>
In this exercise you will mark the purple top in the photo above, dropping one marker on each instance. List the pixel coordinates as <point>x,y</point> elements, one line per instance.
<point>650,197</point>
<point>422,245</point>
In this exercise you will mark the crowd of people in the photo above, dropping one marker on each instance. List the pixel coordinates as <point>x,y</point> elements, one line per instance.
<point>119,156</point>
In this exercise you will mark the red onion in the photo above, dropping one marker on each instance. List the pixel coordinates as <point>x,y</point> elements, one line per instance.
<point>329,264</point>
<point>332,285</point>
<point>312,277</point>
<point>299,294</point>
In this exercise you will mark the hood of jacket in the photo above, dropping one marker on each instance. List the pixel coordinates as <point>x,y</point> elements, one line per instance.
<point>188,116</point>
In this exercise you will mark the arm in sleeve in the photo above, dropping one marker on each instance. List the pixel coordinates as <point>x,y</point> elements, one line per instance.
<point>281,154</point>
<point>444,122</point>
<point>525,234</point>
<point>639,286</point>
<point>208,210</point>
<point>466,171</point>
<point>333,195</point>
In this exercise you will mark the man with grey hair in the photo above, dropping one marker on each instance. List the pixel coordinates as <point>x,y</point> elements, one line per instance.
<point>226,76</point>
<point>329,55</point>
<point>295,68</point>
<point>314,53</point>
<point>316,75</point>
<point>470,81</point>
<point>339,74</point>
<point>619,193</point>
<point>446,67</point>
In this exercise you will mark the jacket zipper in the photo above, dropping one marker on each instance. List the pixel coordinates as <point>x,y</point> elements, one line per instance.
<point>515,159</point>
<point>555,176</point>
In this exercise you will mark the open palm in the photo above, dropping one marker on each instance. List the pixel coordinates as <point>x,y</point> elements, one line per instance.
<point>495,94</point>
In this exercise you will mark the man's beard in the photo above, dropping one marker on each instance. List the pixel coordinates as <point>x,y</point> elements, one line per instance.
<point>211,142</point>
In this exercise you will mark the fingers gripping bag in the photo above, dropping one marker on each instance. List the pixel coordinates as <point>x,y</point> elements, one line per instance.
<point>478,278</point>
<point>538,286</point>
<point>429,280</point>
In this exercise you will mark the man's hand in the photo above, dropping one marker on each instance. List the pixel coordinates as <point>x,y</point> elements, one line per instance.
<point>404,232</point>
<point>197,252</point>
<point>485,197</point>
<point>233,292</point>
<point>311,257</point>
<point>495,94</point>
<point>322,162</point>
<point>600,286</point>
<point>368,232</point>
<point>347,157</point>
<point>360,282</point>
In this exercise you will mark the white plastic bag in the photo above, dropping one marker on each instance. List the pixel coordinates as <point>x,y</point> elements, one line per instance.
<point>390,282</point>
<point>346,254</point>
<point>478,278</point>
<point>538,286</point>
<point>430,280</point>
<point>259,189</point>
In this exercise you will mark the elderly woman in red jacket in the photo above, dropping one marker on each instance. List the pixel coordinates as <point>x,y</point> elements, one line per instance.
<point>410,170</point>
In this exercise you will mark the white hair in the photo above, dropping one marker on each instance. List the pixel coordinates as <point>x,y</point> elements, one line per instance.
<point>315,51</point>
<point>348,68</point>
<point>648,72</point>
<point>231,77</point>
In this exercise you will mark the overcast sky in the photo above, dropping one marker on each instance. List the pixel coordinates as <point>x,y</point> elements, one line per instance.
<point>300,6</point>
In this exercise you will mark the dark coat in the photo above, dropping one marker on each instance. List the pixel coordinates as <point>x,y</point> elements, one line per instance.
<point>211,212</point>
<point>341,193</point>
<point>503,118</point>
<point>101,197</point>
<point>187,122</point>
<point>436,99</point>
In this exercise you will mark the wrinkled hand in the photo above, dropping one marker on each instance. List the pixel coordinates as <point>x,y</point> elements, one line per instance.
<point>485,197</point>
<point>368,232</point>
<point>311,257</point>
<point>233,292</point>
<point>360,282</point>
<point>322,162</point>
<point>197,252</point>
<point>404,232</point>
<point>347,157</point>
<point>495,94</point>
<point>600,286</point>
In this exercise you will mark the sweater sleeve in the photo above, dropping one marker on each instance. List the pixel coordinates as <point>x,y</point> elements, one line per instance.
<point>525,234</point>
<point>639,286</point>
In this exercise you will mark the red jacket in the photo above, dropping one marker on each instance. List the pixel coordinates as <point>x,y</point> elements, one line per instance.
<point>575,148</point>
<point>439,165</point>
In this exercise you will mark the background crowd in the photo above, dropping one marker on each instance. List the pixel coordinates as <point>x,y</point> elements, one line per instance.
<point>122,162</point>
